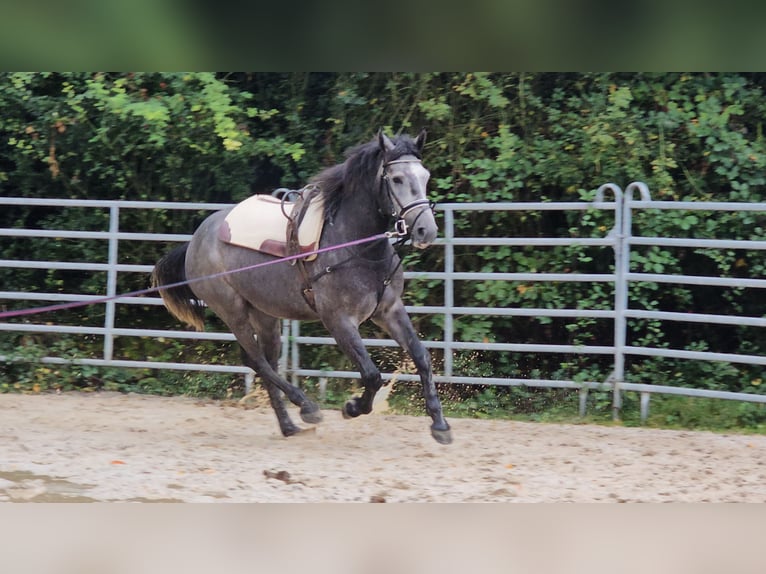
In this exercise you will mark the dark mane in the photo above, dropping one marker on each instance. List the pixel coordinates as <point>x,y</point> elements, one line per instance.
<point>359,170</point>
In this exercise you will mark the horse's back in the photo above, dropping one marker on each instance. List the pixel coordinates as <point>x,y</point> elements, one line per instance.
<point>273,288</point>
<point>204,255</point>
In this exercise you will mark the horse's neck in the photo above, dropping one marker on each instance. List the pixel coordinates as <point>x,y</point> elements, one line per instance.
<point>358,217</point>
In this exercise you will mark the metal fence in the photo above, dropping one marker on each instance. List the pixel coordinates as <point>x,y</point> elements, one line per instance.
<point>618,240</point>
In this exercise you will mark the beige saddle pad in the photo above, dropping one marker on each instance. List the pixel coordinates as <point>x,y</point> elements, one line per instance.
<point>259,223</point>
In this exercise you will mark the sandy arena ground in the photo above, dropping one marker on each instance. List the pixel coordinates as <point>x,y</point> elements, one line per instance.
<point>113,447</point>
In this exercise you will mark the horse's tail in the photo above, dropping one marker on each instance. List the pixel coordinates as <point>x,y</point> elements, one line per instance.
<point>180,301</point>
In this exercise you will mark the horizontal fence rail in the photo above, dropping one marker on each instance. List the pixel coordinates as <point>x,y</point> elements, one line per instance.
<point>617,240</point>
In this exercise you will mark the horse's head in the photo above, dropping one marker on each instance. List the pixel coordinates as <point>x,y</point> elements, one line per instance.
<point>405,179</point>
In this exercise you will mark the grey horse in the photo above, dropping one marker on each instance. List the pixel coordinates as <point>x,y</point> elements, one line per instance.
<point>380,185</point>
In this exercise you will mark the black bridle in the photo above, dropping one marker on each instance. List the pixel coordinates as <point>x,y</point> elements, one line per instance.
<point>400,230</point>
<point>400,226</point>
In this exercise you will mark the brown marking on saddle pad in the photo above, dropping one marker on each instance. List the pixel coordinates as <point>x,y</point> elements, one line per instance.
<point>259,223</point>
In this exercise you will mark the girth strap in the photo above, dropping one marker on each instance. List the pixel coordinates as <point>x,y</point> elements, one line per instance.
<point>293,244</point>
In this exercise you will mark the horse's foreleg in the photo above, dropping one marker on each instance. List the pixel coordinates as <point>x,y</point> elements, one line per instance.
<point>346,334</point>
<point>396,322</point>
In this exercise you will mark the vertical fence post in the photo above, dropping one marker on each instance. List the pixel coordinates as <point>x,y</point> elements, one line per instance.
<point>284,365</point>
<point>111,281</point>
<point>449,288</point>
<point>645,398</point>
<point>621,301</point>
<point>621,263</point>
<point>295,353</point>
<point>621,269</point>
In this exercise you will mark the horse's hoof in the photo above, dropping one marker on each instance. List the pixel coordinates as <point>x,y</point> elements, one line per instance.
<point>350,411</point>
<point>311,414</point>
<point>442,436</point>
<point>291,430</point>
<point>298,431</point>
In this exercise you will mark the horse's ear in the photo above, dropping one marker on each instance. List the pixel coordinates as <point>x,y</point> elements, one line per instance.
<point>385,142</point>
<point>420,141</point>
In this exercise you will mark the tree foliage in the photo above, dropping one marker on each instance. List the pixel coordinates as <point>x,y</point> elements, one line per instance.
<point>492,137</point>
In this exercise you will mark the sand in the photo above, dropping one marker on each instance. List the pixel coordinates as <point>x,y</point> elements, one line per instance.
<point>112,447</point>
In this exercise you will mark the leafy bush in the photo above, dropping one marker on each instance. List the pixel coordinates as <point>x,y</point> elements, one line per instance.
<point>492,137</point>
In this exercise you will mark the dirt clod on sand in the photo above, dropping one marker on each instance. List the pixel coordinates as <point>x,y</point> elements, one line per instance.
<point>113,447</point>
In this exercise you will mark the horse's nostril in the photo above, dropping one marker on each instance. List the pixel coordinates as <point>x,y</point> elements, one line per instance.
<point>422,237</point>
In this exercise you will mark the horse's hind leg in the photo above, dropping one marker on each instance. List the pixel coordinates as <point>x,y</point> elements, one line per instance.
<point>286,425</point>
<point>261,354</point>
<point>255,358</point>
<point>268,339</point>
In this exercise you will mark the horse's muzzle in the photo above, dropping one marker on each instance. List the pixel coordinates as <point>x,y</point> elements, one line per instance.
<point>423,228</point>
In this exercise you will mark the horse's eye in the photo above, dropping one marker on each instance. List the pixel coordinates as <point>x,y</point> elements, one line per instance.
<point>397,180</point>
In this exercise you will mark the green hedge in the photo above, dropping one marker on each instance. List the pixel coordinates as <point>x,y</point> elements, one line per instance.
<point>492,137</point>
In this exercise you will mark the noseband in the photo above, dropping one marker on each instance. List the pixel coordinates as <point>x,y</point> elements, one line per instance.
<point>400,226</point>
